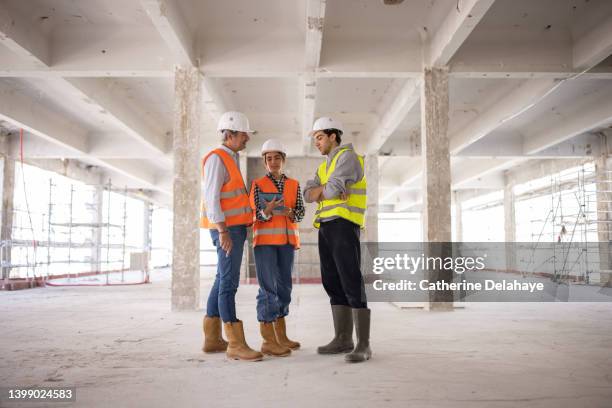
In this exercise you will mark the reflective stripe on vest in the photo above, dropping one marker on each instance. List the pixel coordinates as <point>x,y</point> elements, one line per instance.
<point>238,211</point>
<point>353,208</point>
<point>273,231</point>
<point>343,205</point>
<point>278,230</point>
<point>234,199</point>
<point>234,193</point>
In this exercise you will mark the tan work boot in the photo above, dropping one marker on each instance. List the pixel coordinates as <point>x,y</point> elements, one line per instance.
<point>213,341</point>
<point>238,349</point>
<point>280,329</point>
<point>270,346</point>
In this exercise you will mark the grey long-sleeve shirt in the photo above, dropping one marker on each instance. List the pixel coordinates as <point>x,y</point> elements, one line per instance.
<point>215,175</point>
<point>348,171</point>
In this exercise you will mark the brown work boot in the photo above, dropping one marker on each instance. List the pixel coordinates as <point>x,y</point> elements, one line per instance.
<point>238,349</point>
<point>213,341</point>
<point>280,329</point>
<point>270,346</point>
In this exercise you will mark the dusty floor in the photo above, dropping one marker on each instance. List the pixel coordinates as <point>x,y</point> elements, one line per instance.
<point>122,347</point>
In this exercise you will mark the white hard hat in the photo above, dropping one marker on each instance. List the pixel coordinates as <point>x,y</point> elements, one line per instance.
<point>272,145</point>
<point>234,121</point>
<point>326,123</point>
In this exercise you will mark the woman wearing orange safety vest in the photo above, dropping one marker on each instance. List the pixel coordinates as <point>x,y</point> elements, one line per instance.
<point>278,206</point>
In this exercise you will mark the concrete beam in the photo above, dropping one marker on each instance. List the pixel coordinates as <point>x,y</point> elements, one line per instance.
<point>315,18</point>
<point>100,146</point>
<point>511,146</point>
<point>489,181</point>
<point>138,70</point>
<point>474,174</point>
<point>19,37</point>
<point>211,101</point>
<point>406,200</point>
<point>404,102</point>
<point>119,146</point>
<point>411,176</point>
<point>105,95</point>
<point>590,112</point>
<point>474,169</point>
<point>581,146</point>
<point>525,96</point>
<point>308,97</point>
<point>535,169</point>
<point>143,69</point>
<point>81,90</point>
<point>525,71</point>
<point>38,120</point>
<point>495,155</point>
<point>456,27</point>
<point>36,148</point>
<point>74,169</point>
<point>593,47</point>
<point>167,19</point>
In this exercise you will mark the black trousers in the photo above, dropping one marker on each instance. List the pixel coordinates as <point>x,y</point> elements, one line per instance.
<point>340,255</point>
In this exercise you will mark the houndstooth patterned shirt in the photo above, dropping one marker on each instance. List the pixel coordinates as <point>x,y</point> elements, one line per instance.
<point>298,211</point>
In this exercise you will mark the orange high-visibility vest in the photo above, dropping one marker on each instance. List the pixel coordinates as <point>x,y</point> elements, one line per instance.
<point>279,230</point>
<point>234,197</point>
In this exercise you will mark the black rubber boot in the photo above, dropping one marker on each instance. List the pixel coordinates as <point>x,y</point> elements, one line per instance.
<point>343,328</point>
<point>362,351</point>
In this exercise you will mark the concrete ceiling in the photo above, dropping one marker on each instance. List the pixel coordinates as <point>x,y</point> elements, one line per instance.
<point>530,80</point>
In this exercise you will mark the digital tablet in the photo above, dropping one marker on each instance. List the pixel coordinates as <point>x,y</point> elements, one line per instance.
<point>267,197</point>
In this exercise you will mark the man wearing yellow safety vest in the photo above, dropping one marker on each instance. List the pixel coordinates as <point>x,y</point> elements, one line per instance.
<point>226,212</point>
<point>339,188</point>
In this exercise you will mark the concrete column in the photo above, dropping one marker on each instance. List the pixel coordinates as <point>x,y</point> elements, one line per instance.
<point>436,178</point>
<point>509,224</point>
<point>604,218</point>
<point>146,231</point>
<point>371,227</point>
<point>186,190</point>
<point>247,274</point>
<point>458,217</point>
<point>146,227</point>
<point>96,251</point>
<point>8,190</point>
<point>509,213</point>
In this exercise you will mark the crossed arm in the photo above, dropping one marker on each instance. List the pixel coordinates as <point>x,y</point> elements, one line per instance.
<point>348,171</point>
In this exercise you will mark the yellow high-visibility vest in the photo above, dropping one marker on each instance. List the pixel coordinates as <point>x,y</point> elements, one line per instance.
<point>353,208</point>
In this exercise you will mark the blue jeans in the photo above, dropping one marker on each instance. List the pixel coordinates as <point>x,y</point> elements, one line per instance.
<point>274,266</point>
<point>222,298</point>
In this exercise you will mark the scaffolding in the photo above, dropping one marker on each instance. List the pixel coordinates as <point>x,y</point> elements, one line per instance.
<point>61,230</point>
<point>573,224</point>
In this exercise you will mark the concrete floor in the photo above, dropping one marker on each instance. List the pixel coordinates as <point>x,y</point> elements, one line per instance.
<point>122,347</point>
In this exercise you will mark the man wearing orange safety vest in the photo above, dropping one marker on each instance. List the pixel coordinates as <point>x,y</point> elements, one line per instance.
<point>227,213</point>
<point>277,203</point>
